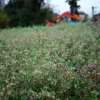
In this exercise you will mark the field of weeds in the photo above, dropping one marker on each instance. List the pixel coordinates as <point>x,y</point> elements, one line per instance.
<point>61,62</point>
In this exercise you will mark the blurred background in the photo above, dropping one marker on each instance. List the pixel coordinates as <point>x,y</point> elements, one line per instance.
<point>25,13</point>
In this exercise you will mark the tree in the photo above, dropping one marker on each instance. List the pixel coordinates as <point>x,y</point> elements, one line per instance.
<point>13,10</point>
<point>26,12</point>
<point>73,7</point>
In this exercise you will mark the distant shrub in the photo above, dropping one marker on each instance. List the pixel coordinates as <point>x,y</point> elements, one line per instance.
<point>4,20</point>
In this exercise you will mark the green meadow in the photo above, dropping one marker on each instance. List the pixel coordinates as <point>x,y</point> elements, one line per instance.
<point>60,62</point>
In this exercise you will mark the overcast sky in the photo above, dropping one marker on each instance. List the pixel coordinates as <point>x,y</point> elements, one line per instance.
<point>86,5</point>
<point>60,6</point>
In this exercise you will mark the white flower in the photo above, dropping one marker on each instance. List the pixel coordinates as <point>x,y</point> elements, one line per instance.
<point>37,72</point>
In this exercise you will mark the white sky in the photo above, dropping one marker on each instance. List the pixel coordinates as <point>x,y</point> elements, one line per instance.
<point>86,5</point>
<point>60,6</point>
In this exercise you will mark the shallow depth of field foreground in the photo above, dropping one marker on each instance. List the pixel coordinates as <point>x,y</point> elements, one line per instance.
<point>61,62</point>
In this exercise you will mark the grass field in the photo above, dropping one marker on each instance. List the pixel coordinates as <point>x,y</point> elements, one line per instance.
<point>61,62</point>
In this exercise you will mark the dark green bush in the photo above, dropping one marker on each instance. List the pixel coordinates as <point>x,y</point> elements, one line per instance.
<point>27,13</point>
<point>4,20</point>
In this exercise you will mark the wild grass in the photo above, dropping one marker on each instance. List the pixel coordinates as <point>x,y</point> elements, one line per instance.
<point>61,62</point>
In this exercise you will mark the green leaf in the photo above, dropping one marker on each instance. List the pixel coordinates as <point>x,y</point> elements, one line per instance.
<point>35,51</point>
<point>1,41</point>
